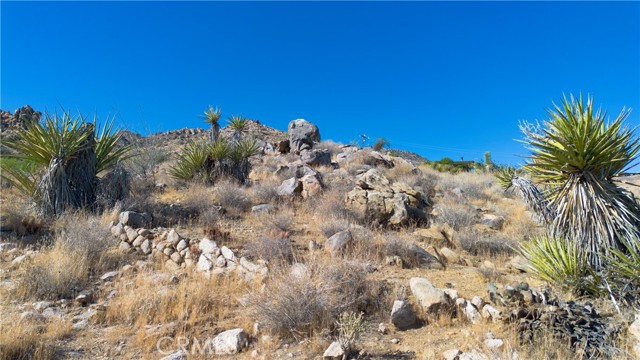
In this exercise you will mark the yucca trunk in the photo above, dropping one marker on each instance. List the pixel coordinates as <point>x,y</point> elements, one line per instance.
<point>596,213</point>
<point>70,182</point>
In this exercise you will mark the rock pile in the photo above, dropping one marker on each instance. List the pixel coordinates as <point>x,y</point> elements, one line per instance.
<point>180,252</point>
<point>386,203</point>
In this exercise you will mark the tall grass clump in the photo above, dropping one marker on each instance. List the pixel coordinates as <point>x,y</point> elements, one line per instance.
<point>62,156</point>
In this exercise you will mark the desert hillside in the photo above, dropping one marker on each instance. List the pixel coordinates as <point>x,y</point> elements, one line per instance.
<point>319,251</point>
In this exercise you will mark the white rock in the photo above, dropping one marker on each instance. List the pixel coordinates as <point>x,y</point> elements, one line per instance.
<point>428,296</point>
<point>178,355</point>
<point>473,355</point>
<point>221,261</point>
<point>477,302</point>
<point>472,313</point>
<point>451,354</point>
<point>181,245</point>
<point>110,275</point>
<point>334,352</point>
<point>230,342</point>
<point>173,237</point>
<point>227,253</point>
<point>146,246</point>
<point>489,312</point>
<point>493,343</point>
<point>204,264</point>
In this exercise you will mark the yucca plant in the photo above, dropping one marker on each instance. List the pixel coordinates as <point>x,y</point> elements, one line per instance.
<point>559,262</point>
<point>212,117</point>
<point>577,154</point>
<point>207,162</point>
<point>623,273</point>
<point>511,178</point>
<point>238,124</point>
<point>62,156</point>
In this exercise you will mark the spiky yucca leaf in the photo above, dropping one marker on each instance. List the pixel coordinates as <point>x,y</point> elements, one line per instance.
<point>577,153</point>
<point>212,117</point>
<point>191,161</point>
<point>557,261</point>
<point>244,150</point>
<point>109,151</point>
<point>505,176</point>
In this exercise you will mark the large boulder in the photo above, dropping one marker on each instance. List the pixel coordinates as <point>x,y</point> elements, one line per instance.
<point>382,202</point>
<point>134,219</point>
<point>316,157</point>
<point>290,187</point>
<point>428,296</point>
<point>339,241</point>
<point>402,315</point>
<point>302,135</point>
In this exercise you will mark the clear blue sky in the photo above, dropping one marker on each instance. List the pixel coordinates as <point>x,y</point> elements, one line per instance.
<point>442,79</point>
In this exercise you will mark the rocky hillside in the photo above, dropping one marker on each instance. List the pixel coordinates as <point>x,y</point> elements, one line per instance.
<point>327,252</point>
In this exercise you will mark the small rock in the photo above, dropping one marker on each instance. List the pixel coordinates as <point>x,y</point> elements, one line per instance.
<point>334,351</point>
<point>179,355</point>
<point>450,256</point>
<point>173,237</point>
<point>176,258</point>
<point>230,342</point>
<point>134,219</point>
<point>382,329</point>
<point>473,355</point>
<point>472,313</point>
<point>146,247</point>
<point>395,341</point>
<point>290,187</point>
<point>109,276</point>
<point>519,263</point>
<point>42,305</point>
<point>495,222</point>
<point>493,343</point>
<point>339,241</point>
<point>477,302</point>
<point>402,316</point>
<point>31,316</point>
<point>227,253</point>
<point>207,246</point>
<point>489,312</point>
<point>181,245</point>
<point>262,209</point>
<point>125,247</point>
<point>204,263</point>
<point>452,354</point>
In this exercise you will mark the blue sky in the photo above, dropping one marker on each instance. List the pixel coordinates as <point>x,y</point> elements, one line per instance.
<point>442,79</point>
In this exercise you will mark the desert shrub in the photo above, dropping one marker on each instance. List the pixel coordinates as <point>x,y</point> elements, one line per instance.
<point>84,234</point>
<point>57,273</point>
<point>425,182</point>
<point>380,144</point>
<point>350,327</point>
<point>232,197</point>
<point>263,192</point>
<point>622,275</point>
<point>308,300</point>
<point>473,185</point>
<point>333,147</point>
<point>190,302</point>
<point>282,220</point>
<point>24,340</point>
<point>271,249</point>
<point>333,225</point>
<point>455,213</point>
<point>486,243</point>
<point>63,156</point>
<point>396,246</point>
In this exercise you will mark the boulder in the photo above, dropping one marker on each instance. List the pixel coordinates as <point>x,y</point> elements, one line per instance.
<point>519,263</point>
<point>376,199</point>
<point>146,247</point>
<point>134,219</point>
<point>428,296</point>
<point>339,241</point>
<point>472,313</point>
<point>262,209</point>
<point>449,255</point>
<point>302,135</point>
<point>316,157</point>
<point>402,315</point>
<point>173,237</point>
<point>290,187</point>
<point>311,186</point>
<point>204,263</point>
<point>230,342</point>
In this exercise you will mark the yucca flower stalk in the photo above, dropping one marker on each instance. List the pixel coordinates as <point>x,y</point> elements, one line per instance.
<point>577,154</point>
<point>212,117</point>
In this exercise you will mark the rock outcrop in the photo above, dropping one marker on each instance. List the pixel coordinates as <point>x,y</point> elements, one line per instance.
<point>302,135</point>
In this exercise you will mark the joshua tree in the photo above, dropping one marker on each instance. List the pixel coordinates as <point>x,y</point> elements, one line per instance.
<point>238,124</point>
<point>211,117</point>
<point>63,156</point>
<point>577,154</point>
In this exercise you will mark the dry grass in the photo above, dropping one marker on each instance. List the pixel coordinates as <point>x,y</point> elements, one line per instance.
<point>486,243</point>
<point>333,225</point>
<point>271,249</point>
<point>455,213</point>
<point>195,305</point>
<point>307,301</point>
<point>478,186</point>
<point>232,197</point>
<point>28,340</point>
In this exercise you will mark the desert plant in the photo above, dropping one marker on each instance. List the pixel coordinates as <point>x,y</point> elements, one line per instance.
<point>578,153</point>
<point>63,156</point>
<point>212,116</point>
<point>238,124</point>
<point>207,162</point>
<point>510,178</point>
<point>350,326</point>
<point>559,261</point>
<point>270,249</point>
<point>380,144</point>
<point>456,214</point>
